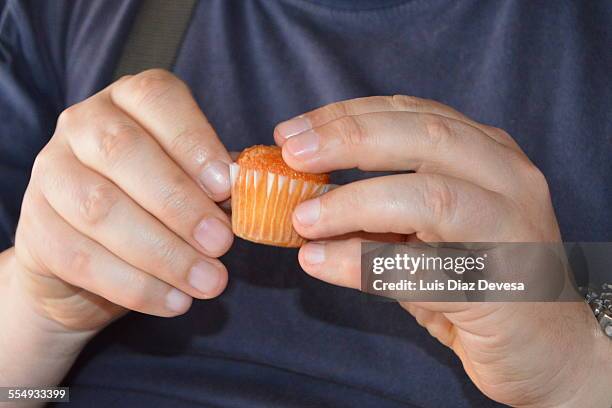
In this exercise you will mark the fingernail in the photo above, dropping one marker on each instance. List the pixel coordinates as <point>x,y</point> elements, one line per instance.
<point>304,144</point>
<point>314,253</point>
<point>308,212</point>
<point>293,126</point>
<point>177,301</point>
<point>215,178</point>
<point>205,277</point>
<point>213,235</point>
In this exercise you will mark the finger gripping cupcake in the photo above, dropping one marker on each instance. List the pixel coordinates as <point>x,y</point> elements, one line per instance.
<point>265,191</point>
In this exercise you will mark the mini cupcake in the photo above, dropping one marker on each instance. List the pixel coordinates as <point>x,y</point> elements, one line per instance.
<point>265,191</point>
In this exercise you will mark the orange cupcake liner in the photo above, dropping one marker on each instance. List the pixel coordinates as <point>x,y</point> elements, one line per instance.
<point>263,202</point>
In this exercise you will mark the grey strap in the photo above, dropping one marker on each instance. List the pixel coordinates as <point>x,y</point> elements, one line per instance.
<point>155,37</point>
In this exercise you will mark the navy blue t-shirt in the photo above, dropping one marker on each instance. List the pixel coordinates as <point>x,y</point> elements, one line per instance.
<point>541,70</point>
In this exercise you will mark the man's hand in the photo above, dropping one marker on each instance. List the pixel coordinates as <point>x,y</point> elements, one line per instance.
<point>120,213</point>
<point>472,182</point>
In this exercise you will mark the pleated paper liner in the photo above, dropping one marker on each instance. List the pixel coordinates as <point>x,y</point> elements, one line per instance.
<point>263,202</point>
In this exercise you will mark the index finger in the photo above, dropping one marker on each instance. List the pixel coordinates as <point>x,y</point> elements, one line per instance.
<point>375,104</point>
<point>164,106</point>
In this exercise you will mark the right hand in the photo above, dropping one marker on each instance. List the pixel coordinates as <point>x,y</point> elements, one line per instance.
<point>120,213</point>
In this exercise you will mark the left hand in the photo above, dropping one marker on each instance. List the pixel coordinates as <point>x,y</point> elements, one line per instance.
<point>472,182</point>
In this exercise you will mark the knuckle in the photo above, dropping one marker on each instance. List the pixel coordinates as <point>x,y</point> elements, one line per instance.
<point>329,112</point>
<point>535,177</point>
<point>354,201</point>
<point>41,164</point>
<point>168,254</point>
<point>499,134</point>
<point>139,298</point>
<point>157,74</point>
<point>175,200</point>
<point>46,171</point>
<point>406,103</point>
<point>352,131</point>
<point>341,202</point>
<point>327,199</point>
<point>337,110</point>
<point>438,129</point>
<point>68,116</point>
<point>76,261</point>
<point>123,79</point>
<point>350,265</point>
<point>153,84</point>
<point>117,141</point>
<point>439,199</point>
<point>187,141</point>
<point>97,202</point>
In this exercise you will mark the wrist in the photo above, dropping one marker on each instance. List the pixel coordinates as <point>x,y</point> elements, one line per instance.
<point>34,350</point>
<point>595,388</point>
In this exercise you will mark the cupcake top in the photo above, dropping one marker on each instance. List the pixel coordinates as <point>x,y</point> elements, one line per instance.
<point>270,158</point>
